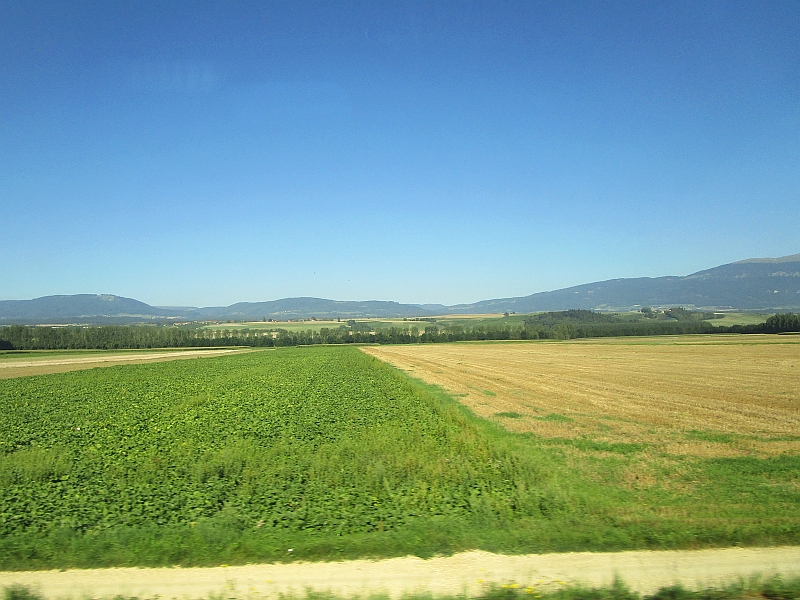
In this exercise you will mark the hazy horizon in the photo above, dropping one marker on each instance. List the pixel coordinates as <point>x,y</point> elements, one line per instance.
<point>793,257</point>
<point>198,154</point>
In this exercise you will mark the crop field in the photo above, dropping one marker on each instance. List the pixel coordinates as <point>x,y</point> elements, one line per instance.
<point>709,395</point>
<point>326,453</point>
<point>375,324</point>
<point>16,363</point>
<point>478,320</point>
<point>740,319</point>
<point>293,446</point>
<point>275,325</point>
<point>316,325</point>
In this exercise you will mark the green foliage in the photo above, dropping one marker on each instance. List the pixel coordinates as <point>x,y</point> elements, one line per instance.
<point>564,325</point>
<point>33,464</point>
<point>323,442</point>
<point>571,316</point>
<point>681,314</point>
<point>782,323</point>
<point>774,588</point>
<point>334,454</point>
<point>267,437</point>
<point>20,592</point>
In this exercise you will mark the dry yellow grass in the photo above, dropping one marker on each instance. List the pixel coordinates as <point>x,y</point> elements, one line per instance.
<point>654,390</point>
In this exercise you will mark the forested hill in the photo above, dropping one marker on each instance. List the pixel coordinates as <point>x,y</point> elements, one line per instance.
<point>769,284</point>
<point>297,308</point>
<point>108,309</point>
<point>79,308</point>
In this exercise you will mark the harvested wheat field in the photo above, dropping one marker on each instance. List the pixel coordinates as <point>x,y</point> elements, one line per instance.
<point>44,363</point>
<point>700,395</point>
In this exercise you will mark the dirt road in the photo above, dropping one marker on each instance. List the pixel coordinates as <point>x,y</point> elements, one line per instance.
<point>468,573</point>
<point>16,367</point>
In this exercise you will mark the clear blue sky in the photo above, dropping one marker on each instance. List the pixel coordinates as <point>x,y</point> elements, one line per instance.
<point>206,153</point>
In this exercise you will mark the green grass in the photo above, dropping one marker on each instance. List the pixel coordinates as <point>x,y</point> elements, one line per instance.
<point>773,588</point>
<point>334,454</point>
<point>481,320</point>
<point>740,319</point>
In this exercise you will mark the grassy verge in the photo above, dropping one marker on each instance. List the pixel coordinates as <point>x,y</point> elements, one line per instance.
<point>775,588</point>
<point>336,455</point>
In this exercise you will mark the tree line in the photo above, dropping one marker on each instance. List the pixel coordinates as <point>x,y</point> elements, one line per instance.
<point>562,325</point>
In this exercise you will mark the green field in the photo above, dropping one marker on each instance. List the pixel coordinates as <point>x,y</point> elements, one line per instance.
<point>296,326</point>
<point>333,454</point>
<point>442,321</point>
<point>276,325</point>
<point>497,320</point>
<point>374,324</point>
<point>729,319</point>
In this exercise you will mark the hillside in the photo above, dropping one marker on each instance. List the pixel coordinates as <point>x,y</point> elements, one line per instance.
<point>108,309</point>
<point>771,284</point>
<point>298,308</point>
<point>79,308</point>
<point>761,284</point>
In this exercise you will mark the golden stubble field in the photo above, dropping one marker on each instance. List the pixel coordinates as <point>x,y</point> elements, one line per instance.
<point>43,362</point>
<point>689,395</point>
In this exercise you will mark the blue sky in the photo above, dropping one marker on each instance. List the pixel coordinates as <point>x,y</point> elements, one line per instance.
<point>206,153</point>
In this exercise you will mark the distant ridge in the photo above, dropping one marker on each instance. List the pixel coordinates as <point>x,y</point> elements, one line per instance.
<point>757,284</point>
<point>768,284</point>
<point>298,308</point>
<point>79,308</point>
<point>109,309</point>
<point>782,259</point>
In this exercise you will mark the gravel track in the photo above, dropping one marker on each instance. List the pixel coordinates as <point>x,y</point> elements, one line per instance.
<point>469,573</point>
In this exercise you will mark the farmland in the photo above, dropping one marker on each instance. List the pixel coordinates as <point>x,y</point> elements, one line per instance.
<point>727,319</point>
<point>563,325</point>
<point>373,324</point>
<point>41,362</point>
<point>309,325</point>
<point>720,395</point>
<point>331,453</point>
<point>294,447</point>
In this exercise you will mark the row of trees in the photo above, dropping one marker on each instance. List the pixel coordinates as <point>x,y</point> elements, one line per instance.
<point>780,323</point>
<point>554,326</point>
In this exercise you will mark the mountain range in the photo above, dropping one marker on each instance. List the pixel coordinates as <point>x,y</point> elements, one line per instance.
<point>761,284</point>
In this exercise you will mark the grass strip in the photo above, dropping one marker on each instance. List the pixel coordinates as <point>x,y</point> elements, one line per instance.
<point>773,588</point>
